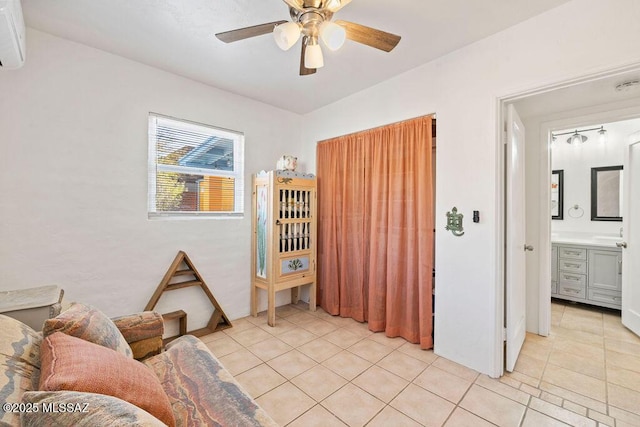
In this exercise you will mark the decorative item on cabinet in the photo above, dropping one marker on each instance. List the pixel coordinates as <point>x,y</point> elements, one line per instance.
<point>283,237</point>
<point>287,163</point>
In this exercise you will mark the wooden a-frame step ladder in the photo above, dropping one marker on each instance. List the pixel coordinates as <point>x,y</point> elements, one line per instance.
<point>174,279</point>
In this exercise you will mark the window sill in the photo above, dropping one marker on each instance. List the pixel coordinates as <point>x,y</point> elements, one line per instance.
<point>155,216</point>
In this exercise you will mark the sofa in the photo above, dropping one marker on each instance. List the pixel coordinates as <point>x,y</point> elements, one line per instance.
<point>85,369</point>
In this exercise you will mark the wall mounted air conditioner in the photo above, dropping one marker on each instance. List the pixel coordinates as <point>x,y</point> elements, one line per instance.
<point>12,46</point>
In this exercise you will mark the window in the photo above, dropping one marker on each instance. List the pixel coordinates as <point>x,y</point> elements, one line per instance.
<point>194,169</point>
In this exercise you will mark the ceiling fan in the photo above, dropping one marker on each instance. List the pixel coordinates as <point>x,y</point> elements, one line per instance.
<point>311,19</point>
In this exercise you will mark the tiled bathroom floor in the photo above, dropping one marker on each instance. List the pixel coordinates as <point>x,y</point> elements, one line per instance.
<point>314,369</point>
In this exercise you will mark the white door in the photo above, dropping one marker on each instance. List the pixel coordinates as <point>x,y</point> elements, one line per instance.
<point>515,240</point>
<point>631,232</point>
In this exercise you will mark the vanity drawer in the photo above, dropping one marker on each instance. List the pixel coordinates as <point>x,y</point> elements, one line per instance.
<point>609,297</point>
<point>571,290</point>
<point>573,266</point>
<point>572,279</point>
<point>572,253</point>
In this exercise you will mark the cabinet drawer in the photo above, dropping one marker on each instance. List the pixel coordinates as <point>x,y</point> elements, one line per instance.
<point>571,279</point>
<point>295,265</point>
<point>571,290</point>
<point>573,266</point>
<point>572,253</point>
<point>609,297</point>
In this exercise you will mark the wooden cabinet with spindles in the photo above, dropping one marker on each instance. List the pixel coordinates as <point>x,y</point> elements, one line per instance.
<point>283,237</point>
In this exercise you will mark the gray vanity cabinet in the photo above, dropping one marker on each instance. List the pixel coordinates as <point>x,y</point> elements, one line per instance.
<point>588,274</point>
<point>605,276</point>
<point>554,269</point>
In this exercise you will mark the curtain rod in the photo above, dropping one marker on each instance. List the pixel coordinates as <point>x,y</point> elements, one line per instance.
<point>432,115</point>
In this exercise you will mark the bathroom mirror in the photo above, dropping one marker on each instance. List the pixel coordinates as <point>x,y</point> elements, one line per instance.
<point>606,193</point>
<point>557,194</point>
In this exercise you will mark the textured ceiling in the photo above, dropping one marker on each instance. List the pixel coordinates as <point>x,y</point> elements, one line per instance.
<point>178,36</point>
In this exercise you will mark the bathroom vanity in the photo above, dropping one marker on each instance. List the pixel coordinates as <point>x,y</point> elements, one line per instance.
<point>587,270</point>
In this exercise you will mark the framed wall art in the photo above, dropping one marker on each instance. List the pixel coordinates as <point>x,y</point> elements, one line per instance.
<point>557,194</point>
<point>606,193</point>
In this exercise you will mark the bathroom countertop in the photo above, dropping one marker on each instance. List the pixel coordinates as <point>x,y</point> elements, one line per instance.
<point>603,240</point>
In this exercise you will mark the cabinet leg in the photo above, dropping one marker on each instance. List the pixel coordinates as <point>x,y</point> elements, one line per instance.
<point>295,294</point>
<point>271,307</point>
<point>254,300</point>
<point>312,297</point>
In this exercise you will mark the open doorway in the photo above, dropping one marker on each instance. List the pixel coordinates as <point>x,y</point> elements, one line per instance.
<point>587,222</point>
<point>551,113</point>
<point>573,106</point>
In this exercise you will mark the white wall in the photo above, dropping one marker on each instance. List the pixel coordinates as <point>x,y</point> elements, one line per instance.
<point>463,89</point>
<point>73,179</point>
<point>577,161</point>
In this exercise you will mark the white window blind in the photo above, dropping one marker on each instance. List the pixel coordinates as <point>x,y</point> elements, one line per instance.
<point>194,169</point>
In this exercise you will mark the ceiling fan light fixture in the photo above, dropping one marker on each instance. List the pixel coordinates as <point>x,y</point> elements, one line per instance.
<point>333,35</point>
<point>313,55</point>
<point>335,5</point>
<point>332,4</point>
<point>286,35</point>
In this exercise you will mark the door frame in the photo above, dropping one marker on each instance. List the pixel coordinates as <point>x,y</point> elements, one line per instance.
<point>544,264</point>
<point>630,318</point>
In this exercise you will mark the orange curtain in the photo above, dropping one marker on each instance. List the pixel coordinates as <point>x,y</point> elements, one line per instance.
<point>375,228</point>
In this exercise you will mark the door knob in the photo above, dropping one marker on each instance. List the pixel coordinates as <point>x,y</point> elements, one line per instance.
<point>621,244</point>
<point>528,248</point>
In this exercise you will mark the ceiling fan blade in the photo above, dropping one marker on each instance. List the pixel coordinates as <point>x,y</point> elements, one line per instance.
<point>248,32</point>
<point>336,5</point>
<point>370,36</point>
<point>304,71</point>
<point>296,4</point>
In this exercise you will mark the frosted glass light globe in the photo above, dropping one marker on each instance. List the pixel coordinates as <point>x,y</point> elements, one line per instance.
<point>286,35</point>
<point>332,34</point>
<point>313,56</point>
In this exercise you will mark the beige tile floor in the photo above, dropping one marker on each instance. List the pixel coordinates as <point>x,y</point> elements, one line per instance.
<point>314,369</point>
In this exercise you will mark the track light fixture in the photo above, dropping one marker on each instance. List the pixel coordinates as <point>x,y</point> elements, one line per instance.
<point>577,136</point>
